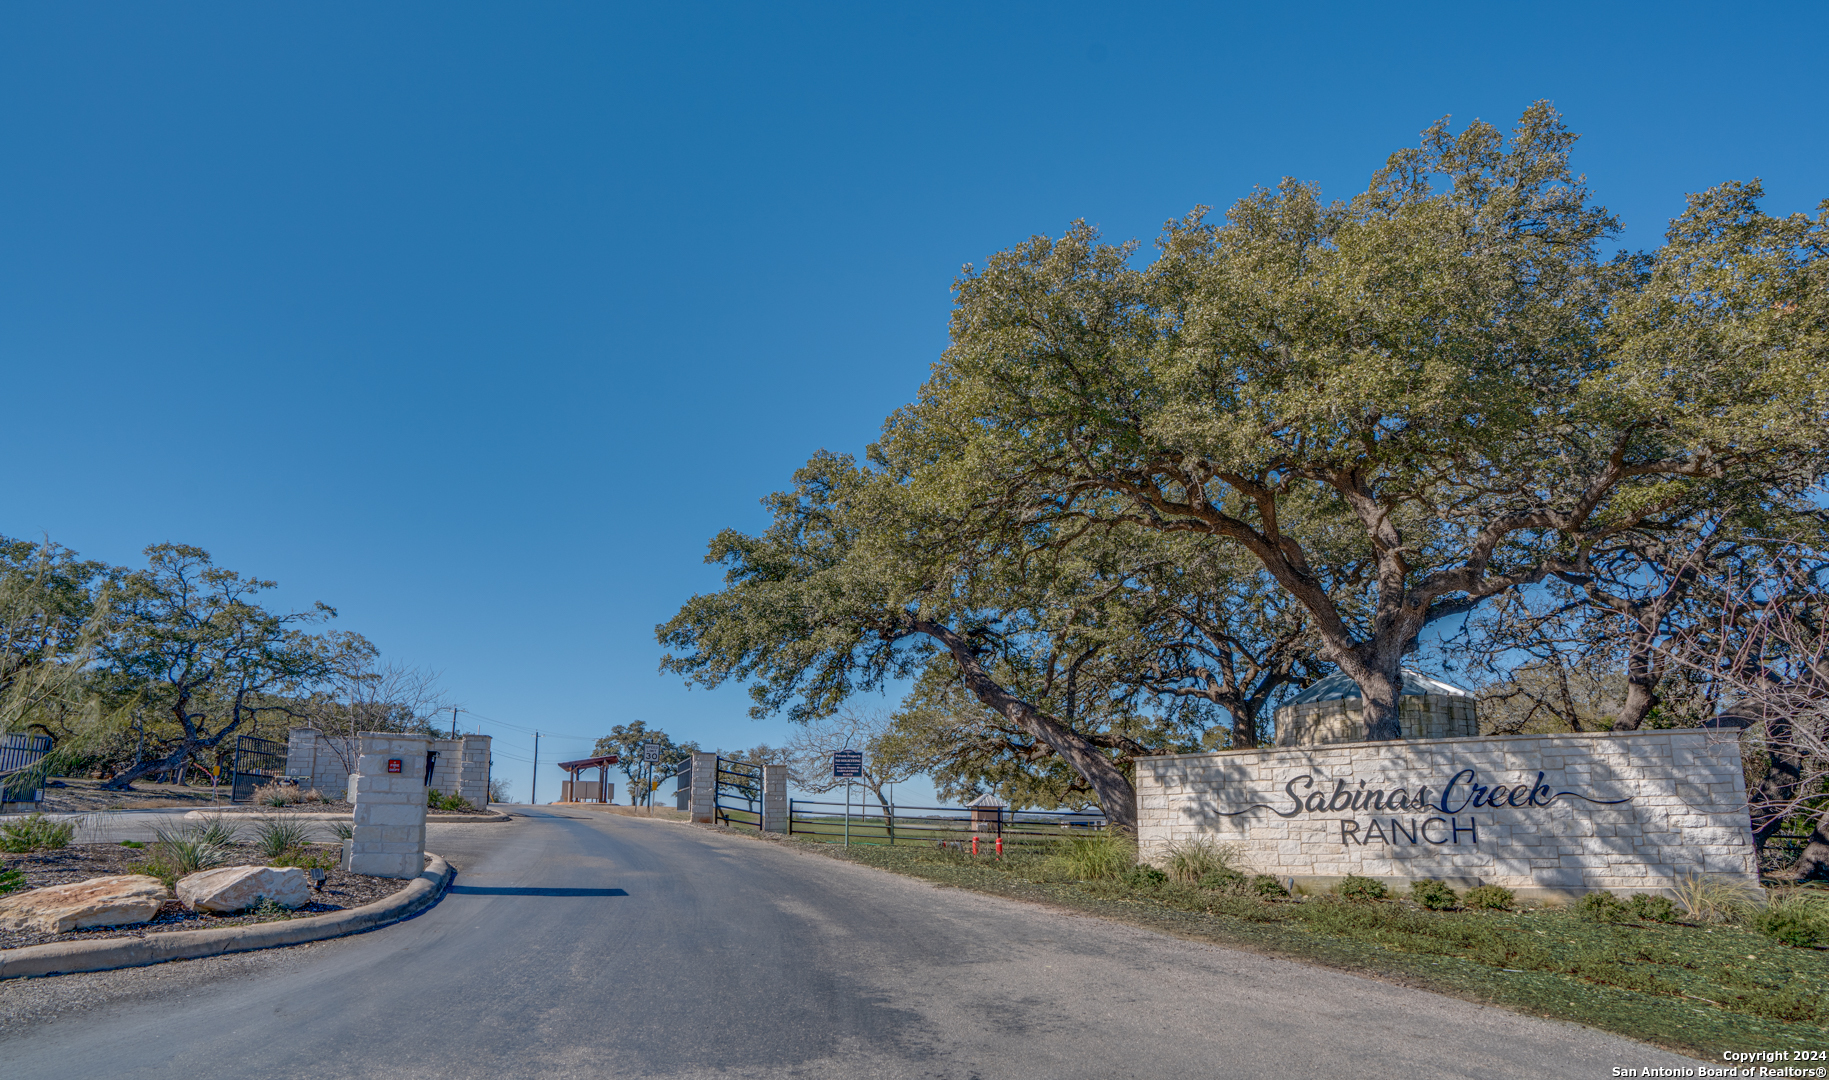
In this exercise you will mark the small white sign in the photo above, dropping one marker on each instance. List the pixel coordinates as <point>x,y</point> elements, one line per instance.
<point>650,752</point>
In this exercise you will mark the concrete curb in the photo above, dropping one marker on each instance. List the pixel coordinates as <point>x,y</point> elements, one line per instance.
<point>68,957</point>
<point>436,819</point>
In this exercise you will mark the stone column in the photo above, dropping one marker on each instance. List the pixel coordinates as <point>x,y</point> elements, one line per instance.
<point>302,753</point>
<point>704,787</point>
<point>473,784</point>
<point>774,798</point>
<point>389,838</point>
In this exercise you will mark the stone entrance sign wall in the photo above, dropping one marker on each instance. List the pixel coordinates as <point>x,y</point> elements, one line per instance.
<point>1549,816</point>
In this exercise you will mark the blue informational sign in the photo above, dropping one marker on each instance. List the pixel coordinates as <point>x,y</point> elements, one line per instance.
<point>847,764</point>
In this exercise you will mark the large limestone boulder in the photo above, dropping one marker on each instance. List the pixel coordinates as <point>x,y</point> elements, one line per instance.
<point>103,901</point>
<point>238,888</point>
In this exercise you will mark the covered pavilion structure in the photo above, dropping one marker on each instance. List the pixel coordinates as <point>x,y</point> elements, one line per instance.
<point>599,790</point>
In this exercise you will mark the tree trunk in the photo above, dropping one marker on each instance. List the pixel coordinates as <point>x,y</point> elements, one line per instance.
<point>1641,690</point>
<point>1767,801</point>
<point>1116,795</point>
<point>124,781</point>
<point>1813,864</point>
<point>1380,690</point>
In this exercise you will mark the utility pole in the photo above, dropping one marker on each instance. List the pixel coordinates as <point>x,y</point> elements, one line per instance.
<point>454,721</point>
<point>533,789</point>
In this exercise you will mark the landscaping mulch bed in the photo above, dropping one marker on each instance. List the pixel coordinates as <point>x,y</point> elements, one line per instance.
<point>80,862</point>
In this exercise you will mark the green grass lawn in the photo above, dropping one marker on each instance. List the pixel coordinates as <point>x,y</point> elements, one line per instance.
<point>1692,988</point>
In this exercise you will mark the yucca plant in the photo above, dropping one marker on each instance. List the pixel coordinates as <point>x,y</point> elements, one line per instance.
<point>274,837</point>
<point>217,829</point>
<point>189,849</point>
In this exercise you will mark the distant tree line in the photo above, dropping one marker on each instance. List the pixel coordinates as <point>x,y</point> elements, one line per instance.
<point>153,671</point>
<point>1142,500</point>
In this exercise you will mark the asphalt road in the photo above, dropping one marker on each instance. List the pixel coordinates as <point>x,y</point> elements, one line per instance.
<point>581,944</point>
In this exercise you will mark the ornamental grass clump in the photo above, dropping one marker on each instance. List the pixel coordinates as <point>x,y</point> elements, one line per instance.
<point>177,852</point>
<point>1708,898</point>
<point>35,832</point>
<point>1434,895</point>
<point>1195,860</point>
<point>1098,856</point>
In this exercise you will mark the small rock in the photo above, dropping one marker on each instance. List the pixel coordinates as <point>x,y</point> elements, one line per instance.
<point>104,901</point>
<point>238,888</point>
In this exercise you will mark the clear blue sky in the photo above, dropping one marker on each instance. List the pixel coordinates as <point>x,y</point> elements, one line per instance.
<point>477,321</point>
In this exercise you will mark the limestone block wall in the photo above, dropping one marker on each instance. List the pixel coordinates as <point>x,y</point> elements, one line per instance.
<point>462,767</point>
<point>389,821</point>
<point>1423,716</point>
<point>1545,815</point>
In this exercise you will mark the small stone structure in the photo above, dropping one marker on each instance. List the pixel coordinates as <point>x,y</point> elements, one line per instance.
<point>325,762</point>
<point>1548,816</point>
<point>774,798</point>
<point>1332,711</point>
<point>389,790</point>
<point>704,798</point>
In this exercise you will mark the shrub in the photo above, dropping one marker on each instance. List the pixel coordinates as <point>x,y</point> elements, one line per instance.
<point>1222,881</point>
<point>1790,928</point>
<point>1489,898</point>
<point>1434,895</point>
<point>438,800</point>
<point>1143,877</point>
<point>1192,860</point>
<point>1265,885</point>
<point>1361,889</point>
<point>1795,917</point>
<point>1099,855</point>
<point>34,833</point>
<point>1602,906</point>
<point>1706,898</point>
<point>277,794</point>
<point>11,880</point>
<point>275,837</point>
<point>132,844</point>
<point>1651,908</point>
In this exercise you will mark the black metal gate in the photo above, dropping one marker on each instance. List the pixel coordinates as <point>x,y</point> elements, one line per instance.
<point>738,796</point>
<point>257,762</point>
<point>19,756</point>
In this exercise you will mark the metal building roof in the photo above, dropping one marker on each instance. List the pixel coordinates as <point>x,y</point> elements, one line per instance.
<point>1339,686</point>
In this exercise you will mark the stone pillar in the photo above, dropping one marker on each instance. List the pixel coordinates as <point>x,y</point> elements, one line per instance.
<point>389,838</point>
<point>302,753</point>
<point>774,798</point>
<point>704,787</point>
<point>473,783</point>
